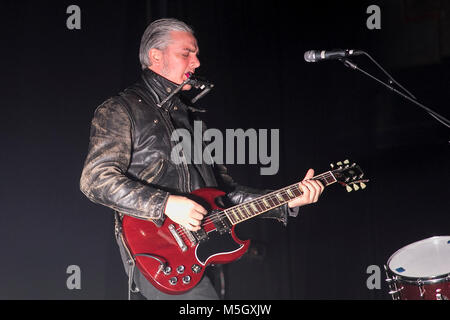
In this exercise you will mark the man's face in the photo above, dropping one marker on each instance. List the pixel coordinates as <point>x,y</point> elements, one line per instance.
<point>179,57</point>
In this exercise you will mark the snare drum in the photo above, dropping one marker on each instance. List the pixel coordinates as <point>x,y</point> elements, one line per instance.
<point>420,270</point>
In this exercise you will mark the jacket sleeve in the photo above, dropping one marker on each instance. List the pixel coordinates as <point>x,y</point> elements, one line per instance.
<point>104,178</point>
<point>237,194</point>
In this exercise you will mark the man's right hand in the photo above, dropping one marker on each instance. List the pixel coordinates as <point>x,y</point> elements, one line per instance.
<point>184,211</point>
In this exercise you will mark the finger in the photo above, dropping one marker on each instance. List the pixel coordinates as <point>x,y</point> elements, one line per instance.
<point>316,195</point>
<point>322,187</point>
<point>198,208</point>
<point>305,189</point>
<point>312,190</point>
<point>194,222</point>
<point>309,174</point>
<point>317,190</point>
<point>196,215</point>
<point>191,227</point>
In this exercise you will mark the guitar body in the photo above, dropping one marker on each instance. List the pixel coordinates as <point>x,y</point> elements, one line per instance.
<point>173,259</point>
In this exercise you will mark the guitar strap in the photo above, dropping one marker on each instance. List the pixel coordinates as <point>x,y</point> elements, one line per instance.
<point>132,287</point>
<point>131,259</point>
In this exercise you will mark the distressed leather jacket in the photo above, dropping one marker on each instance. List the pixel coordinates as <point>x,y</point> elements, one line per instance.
<point>129,167</point>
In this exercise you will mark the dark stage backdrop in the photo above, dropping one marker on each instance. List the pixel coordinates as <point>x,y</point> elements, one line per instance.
<point>52,79</point>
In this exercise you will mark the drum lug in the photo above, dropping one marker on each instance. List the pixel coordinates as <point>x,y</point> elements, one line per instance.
<point>396,293</point>
<point>440,296</point>
<point>421,288</point>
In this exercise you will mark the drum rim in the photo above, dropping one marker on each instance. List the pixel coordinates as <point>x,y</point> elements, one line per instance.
<point>417,280</point>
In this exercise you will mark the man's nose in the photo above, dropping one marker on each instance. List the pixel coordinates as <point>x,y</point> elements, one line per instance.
<point>195,62</point>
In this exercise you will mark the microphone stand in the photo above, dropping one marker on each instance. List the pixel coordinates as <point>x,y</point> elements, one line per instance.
<point>348,63</point>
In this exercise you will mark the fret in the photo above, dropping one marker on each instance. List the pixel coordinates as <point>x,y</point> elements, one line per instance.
<point>274,199</point>
<point>291,195</point>
<point>269,202</point>
<point>240,213</point>
<point>285,196</point>
<point>259,206</point>
<point>244,211</point>
<point>296,191</point>
<point>230,215</point>
<point>235,215</point>
<point>250,210</point>
<point>326,178</point>
<point>330,179</point>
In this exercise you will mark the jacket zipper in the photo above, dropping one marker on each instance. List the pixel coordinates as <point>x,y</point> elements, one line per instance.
<point>171,129</point>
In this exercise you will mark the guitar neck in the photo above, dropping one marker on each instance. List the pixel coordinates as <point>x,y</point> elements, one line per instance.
<point>255,207</point>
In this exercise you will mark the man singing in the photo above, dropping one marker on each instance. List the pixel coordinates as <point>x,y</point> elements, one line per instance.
<point>129,167</point>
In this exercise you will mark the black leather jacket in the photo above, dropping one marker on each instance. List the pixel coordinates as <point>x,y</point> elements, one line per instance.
<point>129,168</point>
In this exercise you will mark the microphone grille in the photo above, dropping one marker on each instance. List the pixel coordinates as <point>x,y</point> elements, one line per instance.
<point>310,56</point>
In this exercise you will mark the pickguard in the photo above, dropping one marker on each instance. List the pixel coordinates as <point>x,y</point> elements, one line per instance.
<point>216,244</point>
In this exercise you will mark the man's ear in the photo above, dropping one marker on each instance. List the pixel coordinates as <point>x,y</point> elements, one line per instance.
<point>155,56</point>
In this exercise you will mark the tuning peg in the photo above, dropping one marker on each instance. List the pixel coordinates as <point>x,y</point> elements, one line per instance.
<point>346,161</point>
<point>332,165</point>
<point>339,163</point>
<point>348,188</point>
<point>356,187</point>
<point>363,185</point>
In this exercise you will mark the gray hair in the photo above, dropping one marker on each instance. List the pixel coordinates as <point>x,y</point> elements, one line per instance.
<point>157,35</point>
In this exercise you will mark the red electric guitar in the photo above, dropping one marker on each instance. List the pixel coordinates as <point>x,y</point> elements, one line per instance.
<point>174,259</point>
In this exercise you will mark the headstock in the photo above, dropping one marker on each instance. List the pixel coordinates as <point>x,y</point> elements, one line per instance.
<point>349,175</point>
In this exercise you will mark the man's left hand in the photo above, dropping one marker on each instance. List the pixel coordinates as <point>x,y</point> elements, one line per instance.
<point>312,189</point>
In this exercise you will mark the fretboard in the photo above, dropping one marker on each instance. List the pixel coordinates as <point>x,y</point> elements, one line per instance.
<point>271,200</point>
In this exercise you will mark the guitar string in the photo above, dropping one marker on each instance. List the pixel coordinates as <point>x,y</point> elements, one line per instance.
<point>246,206</point>
<point>218,215</point>
<point>258,201</point>
<point>270,196</point>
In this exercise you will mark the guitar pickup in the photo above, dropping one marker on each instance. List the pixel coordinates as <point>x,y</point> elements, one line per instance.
<point>222,224</point>
<point>201,235</point>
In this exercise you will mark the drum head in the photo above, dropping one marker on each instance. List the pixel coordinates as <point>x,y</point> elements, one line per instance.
<point>427,258</point>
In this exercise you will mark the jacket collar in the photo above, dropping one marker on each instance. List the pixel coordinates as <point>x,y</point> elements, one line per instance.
<point>158,84</point>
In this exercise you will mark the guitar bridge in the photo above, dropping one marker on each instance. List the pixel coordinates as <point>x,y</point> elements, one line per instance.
<point>177,238</point>
<point>190,236</point>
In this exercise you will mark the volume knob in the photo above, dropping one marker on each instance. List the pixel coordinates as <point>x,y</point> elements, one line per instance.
<point>173,281</point>
<point>186,279</point>
<point>167,270</point>
<point>180,269</point>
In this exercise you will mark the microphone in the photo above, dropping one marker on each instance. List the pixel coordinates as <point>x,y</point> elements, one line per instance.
<point>200,84</point>
<point>316,55</point>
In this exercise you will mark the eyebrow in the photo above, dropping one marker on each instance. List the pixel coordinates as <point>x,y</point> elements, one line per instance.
<point>190,50</point>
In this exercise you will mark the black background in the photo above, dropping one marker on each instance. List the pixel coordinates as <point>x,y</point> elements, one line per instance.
<point>52,79</point>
